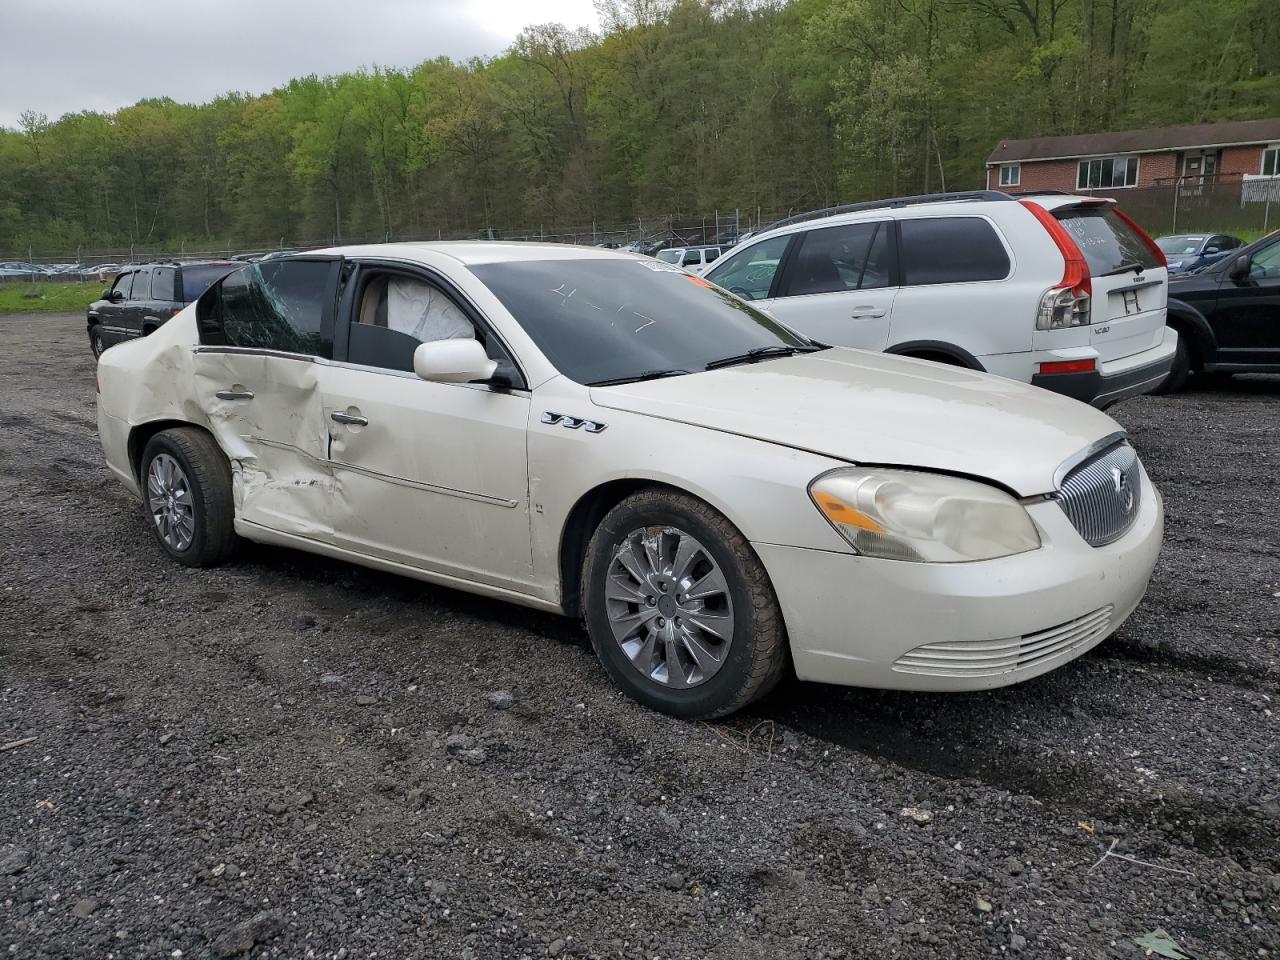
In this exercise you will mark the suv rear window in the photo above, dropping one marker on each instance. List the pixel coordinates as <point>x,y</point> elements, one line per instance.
<point>950,250</point>
<point>1108,243</point>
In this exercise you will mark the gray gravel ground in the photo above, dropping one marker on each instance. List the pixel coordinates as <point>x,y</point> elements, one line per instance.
<point>292,757</point>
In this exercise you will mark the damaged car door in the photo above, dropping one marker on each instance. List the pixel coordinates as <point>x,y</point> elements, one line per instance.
<point>262,330</point>
<point>432,475</point>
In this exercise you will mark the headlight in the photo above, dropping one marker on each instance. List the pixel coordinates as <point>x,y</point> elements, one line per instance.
<point>1175,265</point>
<point>926,517</point>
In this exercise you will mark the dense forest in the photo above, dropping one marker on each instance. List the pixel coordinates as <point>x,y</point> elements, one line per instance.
<point>677,108</point>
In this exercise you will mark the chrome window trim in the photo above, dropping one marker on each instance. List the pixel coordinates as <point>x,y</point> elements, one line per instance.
<point>259,352</point>
<point>1076,459</point>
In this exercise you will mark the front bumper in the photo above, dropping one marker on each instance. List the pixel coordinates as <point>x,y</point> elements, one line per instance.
<point>889,624</point>
<point>1116,380</point>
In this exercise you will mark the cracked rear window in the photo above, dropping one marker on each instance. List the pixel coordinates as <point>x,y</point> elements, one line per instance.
<point>612,319</point>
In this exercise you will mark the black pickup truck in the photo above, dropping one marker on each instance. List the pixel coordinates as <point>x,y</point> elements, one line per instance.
<point>144,297</point>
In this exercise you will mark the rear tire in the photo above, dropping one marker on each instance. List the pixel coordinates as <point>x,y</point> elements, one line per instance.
<point>186,492</point>
<point>1179,372</point>
<point>679,608</point>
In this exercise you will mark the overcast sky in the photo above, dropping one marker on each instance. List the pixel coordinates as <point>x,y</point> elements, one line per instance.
<point>62,56</point>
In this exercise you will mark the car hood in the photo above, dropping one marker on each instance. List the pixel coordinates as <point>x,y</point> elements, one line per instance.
<point>875,408</point>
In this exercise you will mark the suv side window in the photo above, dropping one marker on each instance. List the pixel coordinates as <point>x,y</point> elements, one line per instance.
<point>162,283</point>
<point>692,258</point>
<point>141,286</point>
<point>950,250</point>
<point>1265,264</point>
<point>121,286</point>
<point>749,274</point>
<point>835,259</point>
<point>276,305</point>
<point>396,314</point>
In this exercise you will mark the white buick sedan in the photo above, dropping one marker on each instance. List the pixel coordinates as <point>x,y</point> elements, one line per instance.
<point>605,436</point>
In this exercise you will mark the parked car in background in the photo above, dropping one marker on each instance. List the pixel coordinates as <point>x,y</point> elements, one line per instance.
<point>142,298</point>
<point>18,269</point>
<point>1061,291</point>
<point>1191,251</point>
<point>605,436</point>
<point>102,271</point>
<point>1228,315</point>
<point>649,248</point>
<point>696,260</point>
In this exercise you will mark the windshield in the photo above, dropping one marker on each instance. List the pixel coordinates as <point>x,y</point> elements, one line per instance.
<point>1175,246</point>
<point>669,256</point>
<point>600,320</point>
<point>1107,242</point>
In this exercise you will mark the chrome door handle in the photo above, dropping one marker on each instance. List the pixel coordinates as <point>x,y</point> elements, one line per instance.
<point>339,417</point>
<point>234,395</point>
<point>860,313</point>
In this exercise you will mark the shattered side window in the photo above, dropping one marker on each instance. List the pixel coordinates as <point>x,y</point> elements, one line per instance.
<point>274,305</point>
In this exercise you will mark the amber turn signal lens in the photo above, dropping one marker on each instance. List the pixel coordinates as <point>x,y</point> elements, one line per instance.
<point>838,511</point>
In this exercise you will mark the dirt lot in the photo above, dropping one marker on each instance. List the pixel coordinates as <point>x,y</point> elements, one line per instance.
<point>257,758</point>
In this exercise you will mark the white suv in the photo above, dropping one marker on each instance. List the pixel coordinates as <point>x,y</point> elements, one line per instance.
<point>695,260</point>
<point>1061,291</point>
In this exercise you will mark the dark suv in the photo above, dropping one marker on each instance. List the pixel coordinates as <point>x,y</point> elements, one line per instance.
<point>1228,315</point>
<point>142,298</point>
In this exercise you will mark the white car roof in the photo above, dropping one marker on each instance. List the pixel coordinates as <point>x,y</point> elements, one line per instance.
<point>473,252</point>
<point>1050,201</point>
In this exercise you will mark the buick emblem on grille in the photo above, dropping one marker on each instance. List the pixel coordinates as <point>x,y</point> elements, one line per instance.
<point>1124,489</point>
<point>1101,490</point>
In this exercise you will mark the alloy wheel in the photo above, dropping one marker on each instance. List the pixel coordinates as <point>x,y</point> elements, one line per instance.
<point>170,500</point>
<point>669,606</point>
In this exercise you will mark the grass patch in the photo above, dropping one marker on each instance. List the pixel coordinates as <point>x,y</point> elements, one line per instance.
<point>48,297</point>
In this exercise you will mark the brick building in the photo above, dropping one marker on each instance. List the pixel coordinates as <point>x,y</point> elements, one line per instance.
<point>1090,162</point>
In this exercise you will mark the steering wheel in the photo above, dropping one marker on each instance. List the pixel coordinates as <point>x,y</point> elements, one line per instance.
<point>742,292</point>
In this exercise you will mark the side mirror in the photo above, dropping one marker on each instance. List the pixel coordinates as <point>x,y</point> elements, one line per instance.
<point>453,361</point>
<point>1210,251</point>
<point>1239,268</point>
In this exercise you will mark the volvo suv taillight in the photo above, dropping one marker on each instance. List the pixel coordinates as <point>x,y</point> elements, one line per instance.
<point>1063,307</point>
<point>1067,304</point>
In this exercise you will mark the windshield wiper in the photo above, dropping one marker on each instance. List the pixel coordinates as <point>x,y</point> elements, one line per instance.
<point>1125,267</point>
<point>638,377</point>
<point>762,353</point>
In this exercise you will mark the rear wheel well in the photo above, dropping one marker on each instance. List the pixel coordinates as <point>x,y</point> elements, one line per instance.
<point>143,432</point>
<point>578,528</point>
<point>1189,336</point>
<point>939,352</point>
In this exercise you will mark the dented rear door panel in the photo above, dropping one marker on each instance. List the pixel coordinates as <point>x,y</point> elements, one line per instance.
<point>267,414</point>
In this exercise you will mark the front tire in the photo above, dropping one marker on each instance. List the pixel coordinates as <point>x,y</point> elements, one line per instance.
<point>679,608</point>
<point>186,491</point>
<point>95,341</point>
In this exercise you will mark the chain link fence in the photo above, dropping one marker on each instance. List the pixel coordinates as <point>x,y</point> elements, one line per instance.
<point>1243,205</point>
<point>647,235</point>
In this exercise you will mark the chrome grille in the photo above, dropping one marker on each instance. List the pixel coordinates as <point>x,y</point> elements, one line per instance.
<point>1102,495</point>
<point>990,658</point>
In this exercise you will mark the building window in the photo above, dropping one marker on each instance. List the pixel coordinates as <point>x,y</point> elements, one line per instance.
<point>1271,161</point>
<point>1104,173</point>
<point>1010,174</point>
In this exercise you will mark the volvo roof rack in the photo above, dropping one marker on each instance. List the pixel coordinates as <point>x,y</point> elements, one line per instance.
<point>887,204</point>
